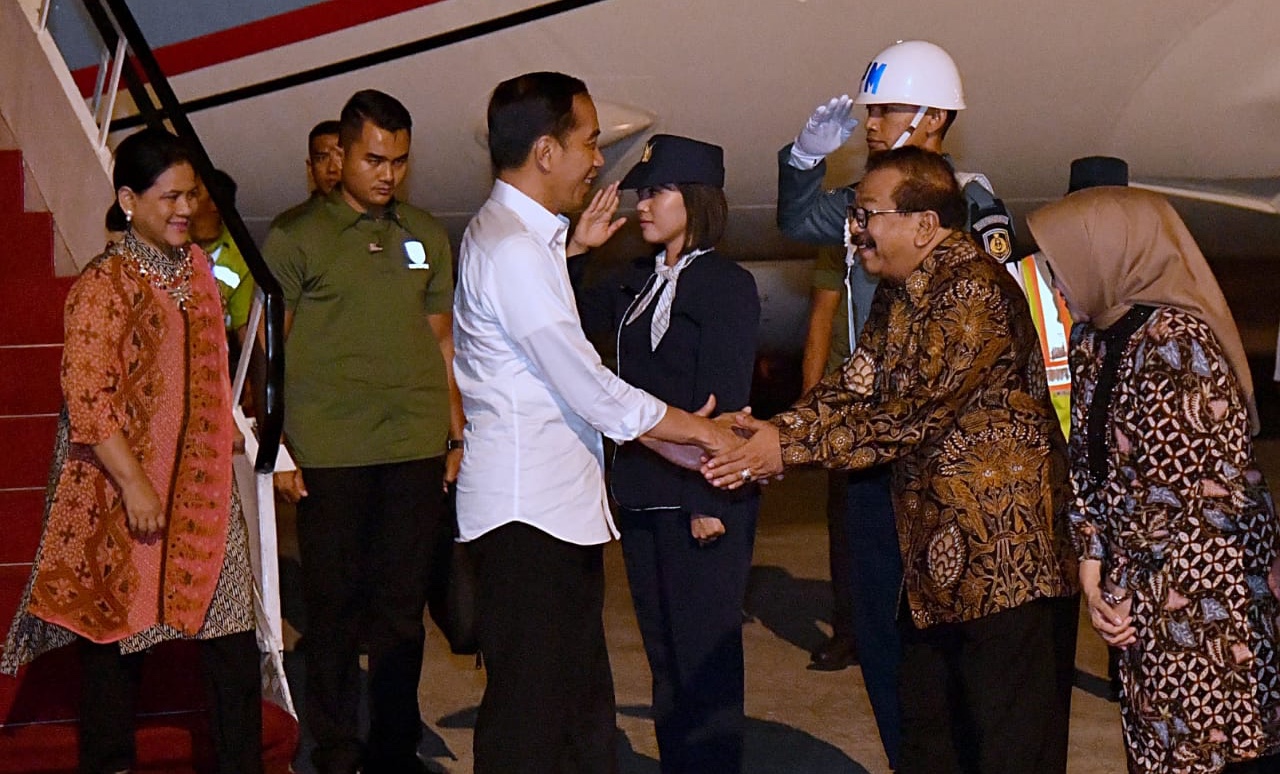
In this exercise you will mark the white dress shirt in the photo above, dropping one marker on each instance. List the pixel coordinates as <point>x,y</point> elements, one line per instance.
<point>534,390</point>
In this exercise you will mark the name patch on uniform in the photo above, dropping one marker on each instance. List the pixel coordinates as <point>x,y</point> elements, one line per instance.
<point>415,255</point>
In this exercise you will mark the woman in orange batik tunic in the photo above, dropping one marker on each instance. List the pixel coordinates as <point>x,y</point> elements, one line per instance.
<point>144,540</point>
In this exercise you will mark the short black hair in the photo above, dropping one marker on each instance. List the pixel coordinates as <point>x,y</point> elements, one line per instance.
<point>221,181</point>
<point>928,184</point>
<point>376,107</point>
<point>527,107</point>
<point>706,212</point>
<point>140,159</point>
<point>327,126</point>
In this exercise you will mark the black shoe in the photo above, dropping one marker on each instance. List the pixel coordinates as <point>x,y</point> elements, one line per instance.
<point>833,655</point>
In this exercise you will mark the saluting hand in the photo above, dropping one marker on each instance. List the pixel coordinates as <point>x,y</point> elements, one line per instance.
<point>830,126</point>
<point>595,225</point>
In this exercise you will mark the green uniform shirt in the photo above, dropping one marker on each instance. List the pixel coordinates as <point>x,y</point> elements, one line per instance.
<point>235,284</point>
<point>365,382</point>
<point>298,209</point>
<point>828,274</point>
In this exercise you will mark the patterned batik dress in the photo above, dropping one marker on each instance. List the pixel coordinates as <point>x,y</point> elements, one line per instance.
<point>139,361</point>
<point>1168,497</point>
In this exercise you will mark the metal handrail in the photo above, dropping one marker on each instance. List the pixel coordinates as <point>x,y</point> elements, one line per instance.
<point>105,87</point>
<point>391,54</point>
<point>116,25</point>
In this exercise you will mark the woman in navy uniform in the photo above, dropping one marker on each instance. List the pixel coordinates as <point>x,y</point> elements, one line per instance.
<point>685,322</point>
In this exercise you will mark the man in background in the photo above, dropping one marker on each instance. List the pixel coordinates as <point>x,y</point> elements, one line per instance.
<point>324,166</point>
<point>229,269</point>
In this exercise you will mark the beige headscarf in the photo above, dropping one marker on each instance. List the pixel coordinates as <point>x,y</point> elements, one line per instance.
<point>1110,248</point>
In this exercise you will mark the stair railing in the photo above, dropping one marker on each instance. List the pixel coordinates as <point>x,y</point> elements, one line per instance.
<point>127,57</point>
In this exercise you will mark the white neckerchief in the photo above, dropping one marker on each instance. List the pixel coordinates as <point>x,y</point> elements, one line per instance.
<point>664,289</point>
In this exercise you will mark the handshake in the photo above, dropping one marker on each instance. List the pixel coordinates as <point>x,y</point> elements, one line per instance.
<point>731,450</point>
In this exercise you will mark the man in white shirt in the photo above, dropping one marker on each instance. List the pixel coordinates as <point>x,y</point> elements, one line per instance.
<point>531,495</point>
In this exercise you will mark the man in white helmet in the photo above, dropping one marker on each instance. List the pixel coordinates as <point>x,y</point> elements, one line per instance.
<point>912,92</point>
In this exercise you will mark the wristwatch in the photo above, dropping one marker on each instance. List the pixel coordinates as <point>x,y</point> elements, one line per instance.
<point>453,444</point>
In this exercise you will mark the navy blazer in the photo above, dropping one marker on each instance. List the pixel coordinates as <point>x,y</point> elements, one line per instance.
<point>709,348</point>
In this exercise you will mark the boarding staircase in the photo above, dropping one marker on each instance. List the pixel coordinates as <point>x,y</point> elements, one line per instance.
<point>42,127</point>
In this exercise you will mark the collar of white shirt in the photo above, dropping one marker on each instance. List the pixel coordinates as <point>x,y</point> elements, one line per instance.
<point>550,227</point>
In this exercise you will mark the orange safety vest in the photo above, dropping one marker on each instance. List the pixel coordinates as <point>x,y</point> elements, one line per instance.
<point>1053,324</point>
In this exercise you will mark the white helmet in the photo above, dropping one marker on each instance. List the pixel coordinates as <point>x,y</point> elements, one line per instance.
<point>912,72</point>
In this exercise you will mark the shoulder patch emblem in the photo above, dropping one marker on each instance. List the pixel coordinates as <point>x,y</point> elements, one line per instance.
<point>996,242</point>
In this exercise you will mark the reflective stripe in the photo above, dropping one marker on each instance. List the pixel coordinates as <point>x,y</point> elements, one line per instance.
<point>1052,322</point>
<point>226,276</point>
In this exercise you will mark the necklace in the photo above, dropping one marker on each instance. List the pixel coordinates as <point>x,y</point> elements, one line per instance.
<point>166,270</point>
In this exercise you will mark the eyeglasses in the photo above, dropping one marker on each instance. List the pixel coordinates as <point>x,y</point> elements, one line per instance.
<point>861,215</point>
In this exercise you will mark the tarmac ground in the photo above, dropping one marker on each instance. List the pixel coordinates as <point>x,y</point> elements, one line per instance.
<point>798,720</point>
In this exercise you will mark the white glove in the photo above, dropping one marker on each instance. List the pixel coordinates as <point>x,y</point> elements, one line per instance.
<point>826,130</point>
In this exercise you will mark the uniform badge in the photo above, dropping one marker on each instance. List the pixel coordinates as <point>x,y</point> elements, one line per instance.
<point>416,255</point>
<point>996,239</point>
<point>648,153</point>
<point>997,244</point>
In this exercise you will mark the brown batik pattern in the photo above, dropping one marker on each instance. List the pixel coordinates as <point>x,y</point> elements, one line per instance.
<point>947,384</point>
<point>1183,521</point>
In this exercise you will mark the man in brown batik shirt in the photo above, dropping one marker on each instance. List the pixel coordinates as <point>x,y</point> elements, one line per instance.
<point>947,385</point>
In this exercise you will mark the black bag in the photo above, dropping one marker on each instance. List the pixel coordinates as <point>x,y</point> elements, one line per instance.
<point>451,595</point>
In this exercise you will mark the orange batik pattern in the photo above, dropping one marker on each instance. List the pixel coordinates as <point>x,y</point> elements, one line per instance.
<point>138,362</point>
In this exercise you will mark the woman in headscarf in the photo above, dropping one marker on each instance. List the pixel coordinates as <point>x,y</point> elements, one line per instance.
<point>685,320</point>
<point>1174,527</point>
<point>144,540</point>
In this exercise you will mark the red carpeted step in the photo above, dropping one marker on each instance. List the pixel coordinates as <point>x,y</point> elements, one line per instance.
<point>26,253</point>
<point>29,380</point>
<point>38,710</point>
<point>11,194</point>
<point>21,513</point>
<point>33,311</point>
<point>26,448</point>
<point>164,745</point>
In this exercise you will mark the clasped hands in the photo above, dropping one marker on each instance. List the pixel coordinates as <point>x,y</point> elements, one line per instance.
<point>734,449</point>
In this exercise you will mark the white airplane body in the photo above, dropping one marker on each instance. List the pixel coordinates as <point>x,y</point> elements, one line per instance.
<point>1187,91</point>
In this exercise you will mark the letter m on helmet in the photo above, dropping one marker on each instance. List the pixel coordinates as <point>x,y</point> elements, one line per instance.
<point>871,78</point>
